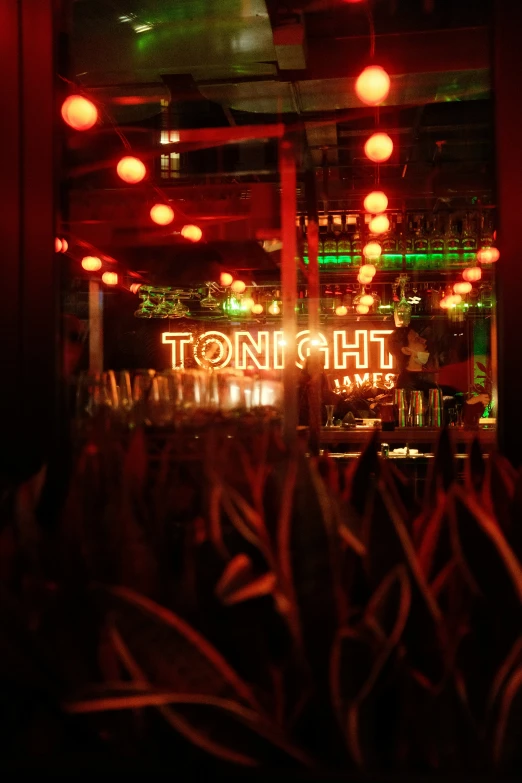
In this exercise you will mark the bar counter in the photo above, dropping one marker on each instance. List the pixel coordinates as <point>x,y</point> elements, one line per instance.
<point>423,438</point>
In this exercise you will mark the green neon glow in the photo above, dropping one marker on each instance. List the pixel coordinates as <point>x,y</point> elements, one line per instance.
<point>394,260</point>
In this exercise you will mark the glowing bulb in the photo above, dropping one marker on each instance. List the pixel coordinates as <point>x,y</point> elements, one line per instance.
<point>225,279</point>
<point>57,245</point>
<point>91,263</point>
<point>192,233</point>
<point>372,85</point>
<point>247,303</point>
<point>257,309</point>
<point>462,288</point>
<point>363,279</point>
<point>362,309</point>
<point>79,113</point>
<point>472,274</point>
<point>274,309</point>
<point>379,224</point>
<point>379,147</point>
<point>135,287</point>
<point>376,202</point>
<point>444,303</point>
<point>131,169</point>
<point>162,214</point>
<point>488,255</point>
<point>238,286</point>
<point>367,270</point>
<point>367,300</point>
<point>454,299</point>
<point>372,250</point>
<point>110,278</point>
<point>341,310</point>
<point>65,246</point>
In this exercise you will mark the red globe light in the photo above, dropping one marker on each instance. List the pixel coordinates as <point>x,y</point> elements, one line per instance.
<point>65,246</point>
<point>363,279</point>
<point>79,113</point>
<point>472,274</point>
<point>91,263</point>
<point>444,303</point>
<point>367,270</point>
<point>372,250</point>
<point>379,224</point>
<point>362,309</point>
<point>226,279</point>
<point>372,85</point>
<point>257,309</point>
<point>192,233</point>
<point>162,214</point>
<point>488,255</point>
<point>131,170</point>
<point>379,147</point>
<point>57,245</point>
<point>367,300</point>
<point>110,278</point>
<point>238,286</point>
<point>376,202</point>
<point>462,288</point>
<point>341,310</point>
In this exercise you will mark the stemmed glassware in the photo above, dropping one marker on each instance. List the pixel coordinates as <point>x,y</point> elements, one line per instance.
<point>146,307</point>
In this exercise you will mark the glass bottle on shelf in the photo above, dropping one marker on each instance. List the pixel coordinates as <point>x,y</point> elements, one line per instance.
<point>486,239</point>
<point>305,238</point>
<point>344,246</point>
<point>437,238</point>
<point>452,241</point>
<point>389,241</point>
<point>420,243</point>
<point>330,241</point>
<point>409,238</point>
<point>469,234</point>
<point>357,243</point>
<point>323,229</point>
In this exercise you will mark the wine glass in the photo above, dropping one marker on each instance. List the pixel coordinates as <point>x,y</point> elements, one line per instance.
<point>147,306</point>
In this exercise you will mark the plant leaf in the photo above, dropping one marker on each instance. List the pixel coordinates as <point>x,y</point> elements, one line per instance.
<point>509,713</point>
<point>238,582</point>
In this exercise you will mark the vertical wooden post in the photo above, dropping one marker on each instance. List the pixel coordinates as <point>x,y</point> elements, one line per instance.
<point>508,121</point>
<point>95,327</point>
<point>287,168</point>
<point>314,396</point>
<point>27,203</point>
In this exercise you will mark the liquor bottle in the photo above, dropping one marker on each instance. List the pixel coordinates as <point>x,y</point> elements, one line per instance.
<point>469,235</point>
<point>452,240</point>
<point>330,241</point>
<point>420,242</point>
<point>357,243</point>
<point>437,239</point>
<point>344,246</point>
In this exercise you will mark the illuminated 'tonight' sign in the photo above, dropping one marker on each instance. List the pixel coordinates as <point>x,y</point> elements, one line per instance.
<point>348,350</point>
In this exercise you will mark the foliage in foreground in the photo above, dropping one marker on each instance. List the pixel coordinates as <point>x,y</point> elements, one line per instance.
<point>267,609</point>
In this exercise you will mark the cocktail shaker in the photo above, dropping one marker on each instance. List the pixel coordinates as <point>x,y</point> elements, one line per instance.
<point>401,405</point>
<point>435,408</point>
<point>417,409</point>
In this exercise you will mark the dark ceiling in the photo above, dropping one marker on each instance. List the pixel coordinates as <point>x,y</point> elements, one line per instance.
<point>259,61</point>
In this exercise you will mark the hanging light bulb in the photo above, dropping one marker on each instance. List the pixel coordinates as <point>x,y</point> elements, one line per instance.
<point>379,224</point>
<point>65,246</point>
<point>454,299</point>
<point>341,310</point>
<point>192,233</point>
<point>162,214</point>
<point>57,245</point>
<point>79,113</point>
<point>367,270</point>
<point>366,299</point>
<point>91,263</point>
<point>379,147</point>
<point>472,274</point>
<point>257,309</point>
<point>110,278</point>
<point>372,85</point>
<point>376,202</point>
<point>372,250</point>
<point>362,309</point>
<point>247,303</point>
<point>238,286</point>
<point>274,309</point>
<point>462,288</point>
<point>488,255</point>
<point>444,303</point>
<point>364,279</point>
<point>225,279</point>
<point>131,170</point>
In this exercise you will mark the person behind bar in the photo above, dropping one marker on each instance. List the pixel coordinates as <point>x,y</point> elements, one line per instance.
<point>409,350</point>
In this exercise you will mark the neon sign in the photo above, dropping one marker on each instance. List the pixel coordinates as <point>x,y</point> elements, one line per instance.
<point>348,350</point>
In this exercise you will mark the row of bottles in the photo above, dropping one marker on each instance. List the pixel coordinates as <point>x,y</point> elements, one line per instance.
<point>412,233</point>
